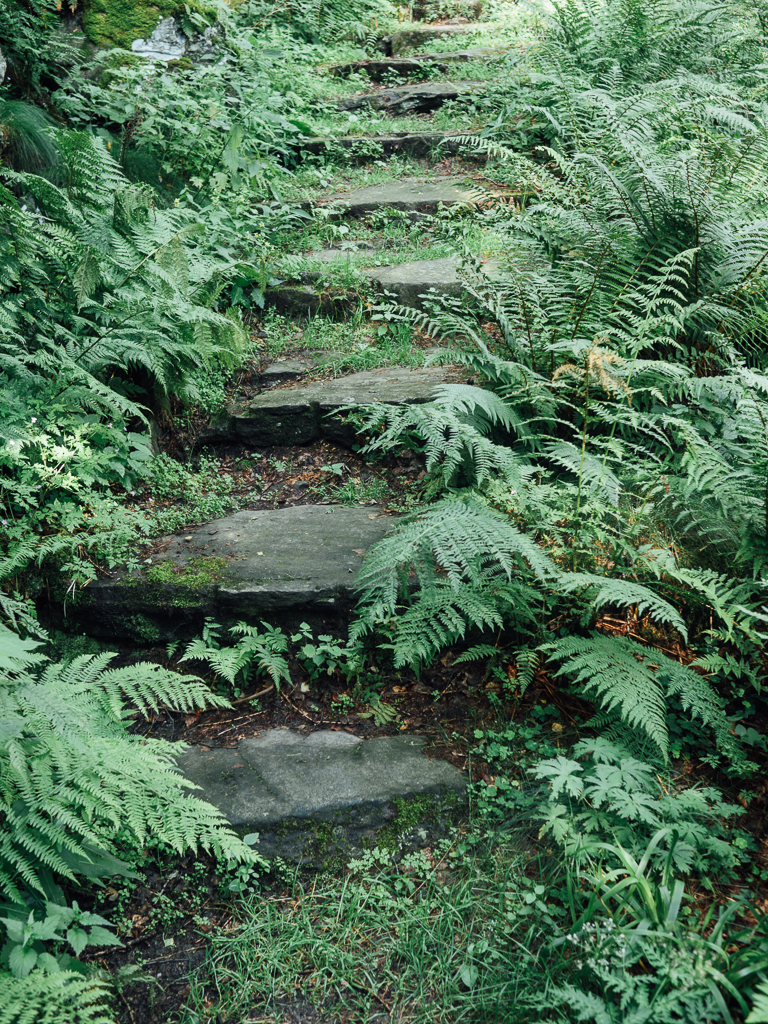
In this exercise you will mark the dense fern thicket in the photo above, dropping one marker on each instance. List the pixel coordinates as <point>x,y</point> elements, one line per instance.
<point>614,463</point>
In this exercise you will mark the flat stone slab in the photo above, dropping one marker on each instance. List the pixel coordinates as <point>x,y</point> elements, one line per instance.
<point>412,99</point>
<point>409,194</point>
<point>284,785</point>
<point>409,38</point>
<point>411,284</point>
<point>379,69</point>
<point>284,370</point>
<point>251,565</point>
<point>305,413</point>
<point>364,148</point>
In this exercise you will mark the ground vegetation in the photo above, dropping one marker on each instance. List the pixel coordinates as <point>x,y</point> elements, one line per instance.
<point>572,603</point>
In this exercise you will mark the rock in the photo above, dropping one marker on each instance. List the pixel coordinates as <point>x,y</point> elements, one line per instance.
<point>316,798</point>
<point>409,194</point>
<point>364,148</point>
<point>411,38</point>
<point>412,99</point>
<point>284,565</point>
<point>310,411</point>
<point>283,370</point>
<point>168,42</point>
<point>404,66</point>
<point>409,283</point>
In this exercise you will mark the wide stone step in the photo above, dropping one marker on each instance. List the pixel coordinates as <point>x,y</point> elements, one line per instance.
<point>412,99</point>
<point>410,38</point>
<point>411,284</point>
<point>364,148</point>
<point>378,69</point>
<point>281,565</point>
<point>329,795</point>
<point>409,194</point>
<point>310,411</point>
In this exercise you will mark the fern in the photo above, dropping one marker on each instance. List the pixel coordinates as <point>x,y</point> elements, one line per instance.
<point>74,780</point>
<point>632,684</point>
<point>469,563</point>
<point>62,998</point>
<point>256,652</point>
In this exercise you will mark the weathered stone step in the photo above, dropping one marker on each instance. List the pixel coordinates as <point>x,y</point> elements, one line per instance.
<point>410,195</point>
<point>410,38</point>
<point>364,148</point>
<point>412,99</point>
<point>285,564</point>
<point>409,283</point>
<point>329,795</point>
<point>376,70</point>
<point>310,411</point>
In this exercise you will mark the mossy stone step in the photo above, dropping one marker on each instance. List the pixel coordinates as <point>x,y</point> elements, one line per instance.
<point>412,99</point>
<point>284,565</point>
<point>329,795</point>
<point>378,69</point>
<point>411,284</point>
<point>365,148</point>
<point>408,194</point>
<point>410,38</point>
<point>311,411</point>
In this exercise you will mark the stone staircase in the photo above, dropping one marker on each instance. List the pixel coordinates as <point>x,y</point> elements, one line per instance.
<point>322,796</point>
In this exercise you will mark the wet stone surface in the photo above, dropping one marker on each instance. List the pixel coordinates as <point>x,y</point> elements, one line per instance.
<point>417,145</point>
<point>316,797</point>
<point>403,66</point>
<point>410,38</point>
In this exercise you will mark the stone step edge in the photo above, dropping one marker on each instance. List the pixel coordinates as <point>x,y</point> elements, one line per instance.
<point>417,145</point>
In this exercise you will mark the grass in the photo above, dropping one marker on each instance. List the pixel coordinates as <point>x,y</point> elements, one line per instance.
<point>426,938</point>
<point>344,346</point>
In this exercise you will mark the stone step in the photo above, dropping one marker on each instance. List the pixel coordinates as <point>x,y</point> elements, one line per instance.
<point>410,195</point>
<point>284,565</point>
<point>410,38</point>
<point>378,69</point>
<point>329,795</point>
<point>412,99</point>
<point>365,148</point>
<point>310,411</point>
<point>410,284</point>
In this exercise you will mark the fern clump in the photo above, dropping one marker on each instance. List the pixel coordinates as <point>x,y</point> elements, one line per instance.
<point>80,796</point>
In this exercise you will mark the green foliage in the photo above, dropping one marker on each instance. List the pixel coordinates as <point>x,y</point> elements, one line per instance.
<point>257,652</point>
<point>110,23</point>
<point>76,784</point>
<point>632,687</point>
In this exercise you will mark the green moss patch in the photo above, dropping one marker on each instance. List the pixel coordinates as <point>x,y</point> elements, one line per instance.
<point>181,586</point>
<point>117,23</point>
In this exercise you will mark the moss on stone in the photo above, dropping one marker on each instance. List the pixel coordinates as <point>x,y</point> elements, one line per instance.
<point>182,586</point>
<point>117,23</point>
<point>426,809</point>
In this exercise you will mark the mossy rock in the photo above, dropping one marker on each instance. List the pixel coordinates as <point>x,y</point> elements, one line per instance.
<point>116,23</point>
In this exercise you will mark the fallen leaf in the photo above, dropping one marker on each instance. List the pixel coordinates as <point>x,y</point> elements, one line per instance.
<point>359,551</point>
